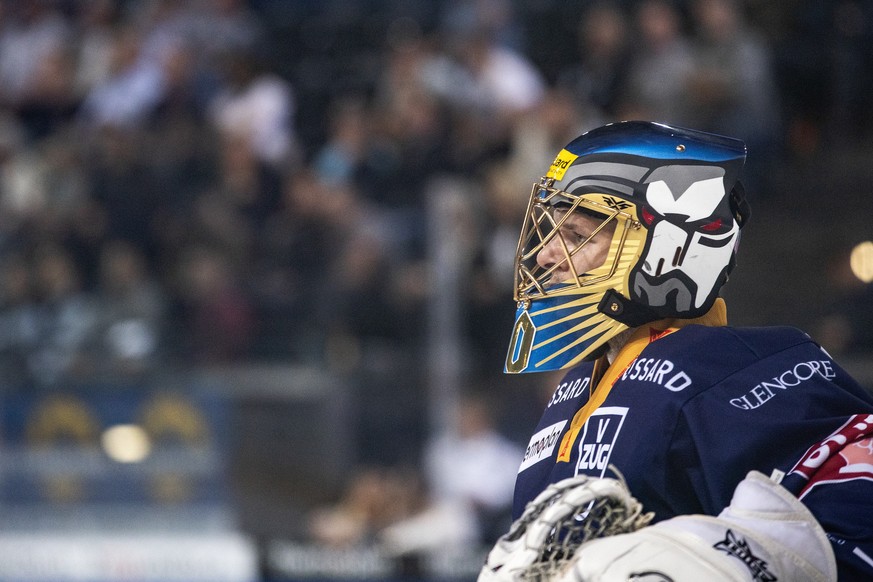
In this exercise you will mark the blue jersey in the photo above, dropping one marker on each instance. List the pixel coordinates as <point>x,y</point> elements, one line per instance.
<point>688,414</point>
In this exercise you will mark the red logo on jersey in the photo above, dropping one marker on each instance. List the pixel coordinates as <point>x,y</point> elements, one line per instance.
<point>858,457</point>
<point>845,455</point>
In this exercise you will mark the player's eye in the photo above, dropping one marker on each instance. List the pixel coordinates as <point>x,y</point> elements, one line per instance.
<point>573,237</point>
<point>712,226</point>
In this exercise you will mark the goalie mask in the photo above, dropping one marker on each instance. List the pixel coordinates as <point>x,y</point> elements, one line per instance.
<point>633,222</point>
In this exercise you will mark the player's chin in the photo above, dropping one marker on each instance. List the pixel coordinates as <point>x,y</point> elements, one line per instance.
<point>552,284</point>
<point>556,283</point>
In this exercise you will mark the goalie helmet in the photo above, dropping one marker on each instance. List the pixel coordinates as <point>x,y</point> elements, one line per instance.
<point>634,222</point>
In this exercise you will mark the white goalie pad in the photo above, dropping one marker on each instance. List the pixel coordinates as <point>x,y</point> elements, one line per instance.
<point>765,535</point>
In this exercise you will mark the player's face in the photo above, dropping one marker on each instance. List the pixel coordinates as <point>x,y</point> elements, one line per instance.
<point>575,240</point>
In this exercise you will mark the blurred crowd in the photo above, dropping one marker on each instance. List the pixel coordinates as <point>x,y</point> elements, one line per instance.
<point>207,182</point>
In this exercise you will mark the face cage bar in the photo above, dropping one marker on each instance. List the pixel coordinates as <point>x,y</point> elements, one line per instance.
<point>530,285</point>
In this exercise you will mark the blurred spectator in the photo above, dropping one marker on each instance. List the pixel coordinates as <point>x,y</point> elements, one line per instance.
<point>223,26</point>
<point>66,319</point>
<point>486,84</point>
<point>65,181</point>
<point>131,309</point>
<point>22,192</point>
<point>498,18</point>
<point>360,286</point>
<point>342,158</point>
<point>597,77</point>
<point>216,318</point>
<point>537,135</point>
<point>731,89</point>
<point>408,144</point>
<point>95,24</point>
<point>293,262</point>
<point>163,25</point>
<point>464,497</point>
<point>251,187</point>
<point>73,217</point>
<point>390,509</point>
<point>258,106</point>
<point>498,79</point>
<point>372,308</point>
<point>123,184</point>
<point>474,466</point>
<point>31,33</point>
<point>186,90</point>
<point>132,90</point>
<point>18,321</point>
<point>50,101</point>
<point>373,297</point>
<point>375,498</point>
<point>45,197</point>
<point>174,40</point>
<point>659,66</point>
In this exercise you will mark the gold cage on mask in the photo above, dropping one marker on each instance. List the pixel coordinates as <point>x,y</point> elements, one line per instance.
<point>548,211</point>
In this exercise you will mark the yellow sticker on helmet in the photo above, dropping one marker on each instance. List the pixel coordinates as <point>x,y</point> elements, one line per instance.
<point>560,165</point>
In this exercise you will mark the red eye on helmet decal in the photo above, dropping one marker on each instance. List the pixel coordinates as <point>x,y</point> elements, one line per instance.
<point>648,217</point>
<point>712,226</point>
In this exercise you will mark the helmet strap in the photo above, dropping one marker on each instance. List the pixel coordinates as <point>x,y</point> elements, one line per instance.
<point>739,205</point>
<point>622,309</point>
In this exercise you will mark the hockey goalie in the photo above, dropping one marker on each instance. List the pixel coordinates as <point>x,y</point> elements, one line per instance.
<point>675,447</point>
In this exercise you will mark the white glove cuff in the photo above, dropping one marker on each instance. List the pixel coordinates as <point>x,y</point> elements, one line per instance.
<point>770,525</point>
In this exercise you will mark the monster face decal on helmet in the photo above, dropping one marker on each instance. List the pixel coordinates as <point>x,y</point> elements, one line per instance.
<point>633,222</point>
<point>692,243</point>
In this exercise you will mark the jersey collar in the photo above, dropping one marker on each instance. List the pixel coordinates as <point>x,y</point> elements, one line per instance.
<point>604,374</point>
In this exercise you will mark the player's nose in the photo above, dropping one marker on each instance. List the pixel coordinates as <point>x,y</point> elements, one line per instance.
<point>551,254</point>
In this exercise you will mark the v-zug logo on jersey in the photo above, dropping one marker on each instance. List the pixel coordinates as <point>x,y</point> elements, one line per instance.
<point>599,435</point>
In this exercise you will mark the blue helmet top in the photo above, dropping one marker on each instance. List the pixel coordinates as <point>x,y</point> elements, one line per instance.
<point>658,141</point>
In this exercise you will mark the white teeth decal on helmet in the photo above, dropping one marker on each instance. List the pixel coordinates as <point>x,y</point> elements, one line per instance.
<point>624,229</point>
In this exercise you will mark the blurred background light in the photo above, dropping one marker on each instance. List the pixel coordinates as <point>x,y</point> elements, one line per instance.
<point>861,261</point>
<point>126,443</point>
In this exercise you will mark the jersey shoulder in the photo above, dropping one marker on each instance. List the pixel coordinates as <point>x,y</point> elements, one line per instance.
<point>757,342</point>
<point>725,347</point>
<point>708,355</point>
<point>736,356</point>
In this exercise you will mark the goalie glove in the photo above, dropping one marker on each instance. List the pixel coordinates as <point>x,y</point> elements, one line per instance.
<point>541,543</point>
<point>765,535</point>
